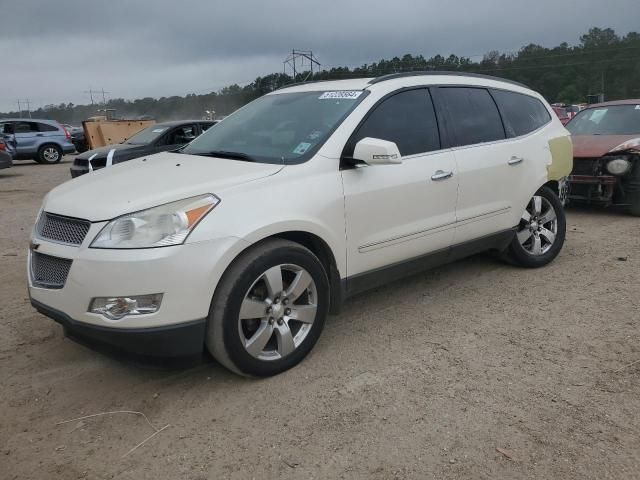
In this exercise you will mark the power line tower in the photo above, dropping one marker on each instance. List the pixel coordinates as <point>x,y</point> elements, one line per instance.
<point>102,91</point>
<point>26,102</point>
<point>298,60</point>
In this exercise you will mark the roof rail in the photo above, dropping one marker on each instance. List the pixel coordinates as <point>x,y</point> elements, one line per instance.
<point>392,76</point>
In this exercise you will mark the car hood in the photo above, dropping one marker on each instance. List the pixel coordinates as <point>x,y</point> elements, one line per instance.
<point>140,184</point>
<point>102,152</point>
<point>593,146</point>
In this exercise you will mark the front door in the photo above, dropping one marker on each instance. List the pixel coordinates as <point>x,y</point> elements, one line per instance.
<point>399,212</point>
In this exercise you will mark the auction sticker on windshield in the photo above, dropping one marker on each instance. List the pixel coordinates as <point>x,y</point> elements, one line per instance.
<point>350,94</point>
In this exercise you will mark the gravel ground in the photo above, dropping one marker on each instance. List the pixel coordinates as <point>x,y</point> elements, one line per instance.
<point>473,370</point>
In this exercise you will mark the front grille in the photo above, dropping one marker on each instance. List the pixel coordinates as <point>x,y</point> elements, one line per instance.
<point>48,271</point>
<point>62,229</point>
<point>586,166</point>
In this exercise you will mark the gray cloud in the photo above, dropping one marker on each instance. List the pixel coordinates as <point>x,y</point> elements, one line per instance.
<point>52,51</point>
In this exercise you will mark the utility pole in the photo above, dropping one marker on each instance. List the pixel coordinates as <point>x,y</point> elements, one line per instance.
<point>28,107</point>
<point>104,102</point>
<point>19,109</point>
<point>90,92</point>
<point>300,58</point>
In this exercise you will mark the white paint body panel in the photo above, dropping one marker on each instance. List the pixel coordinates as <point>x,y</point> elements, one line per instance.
<point>369,217</point>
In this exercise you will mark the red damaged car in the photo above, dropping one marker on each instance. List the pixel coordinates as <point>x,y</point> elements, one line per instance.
<point>606,151</point>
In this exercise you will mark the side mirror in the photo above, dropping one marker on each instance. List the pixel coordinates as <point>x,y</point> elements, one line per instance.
<point>374,151</point>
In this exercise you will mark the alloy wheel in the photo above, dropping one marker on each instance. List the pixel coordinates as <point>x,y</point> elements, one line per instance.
<point>538,226</point>
<point>50,154</point>
<point>277,312</point>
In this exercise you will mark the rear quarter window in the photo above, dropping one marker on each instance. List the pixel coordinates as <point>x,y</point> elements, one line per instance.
<point>472,115</point>
<point>45,127</point>
<point>521,113</point>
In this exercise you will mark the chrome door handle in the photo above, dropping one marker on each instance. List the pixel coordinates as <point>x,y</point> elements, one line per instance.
<point>441,175</point>
<point>515,160</point>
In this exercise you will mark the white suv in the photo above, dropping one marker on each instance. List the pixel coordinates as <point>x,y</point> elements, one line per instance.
<point>245,239</point>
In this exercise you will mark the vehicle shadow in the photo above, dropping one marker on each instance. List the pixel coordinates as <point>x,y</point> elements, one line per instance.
<point>597,209</point>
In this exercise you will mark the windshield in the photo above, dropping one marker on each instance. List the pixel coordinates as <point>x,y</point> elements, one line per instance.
<point>613,120</point>
<point>280,128</point>
<point>147,135</point>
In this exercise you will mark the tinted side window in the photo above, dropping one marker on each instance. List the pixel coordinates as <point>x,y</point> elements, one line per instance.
<point>26,127</point>
<point>407,118</point>
<point>474,115</point>
<point>45,127</point>
<point>521,113</point>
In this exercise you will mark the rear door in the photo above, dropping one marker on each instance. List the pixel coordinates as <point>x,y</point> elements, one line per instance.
<point>490,170</point>
<point>26,137</point>
<point>399,212</point>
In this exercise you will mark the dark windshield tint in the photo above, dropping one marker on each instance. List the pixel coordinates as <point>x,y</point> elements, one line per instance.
<point>407,118</point>
<point>147,135</point>
<point>474,115</point>
<point>612,120</point>
<point>280,128</point>
<point>522,114</point>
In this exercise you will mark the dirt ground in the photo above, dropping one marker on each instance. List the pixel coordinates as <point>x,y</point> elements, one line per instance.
<point>474,370</point>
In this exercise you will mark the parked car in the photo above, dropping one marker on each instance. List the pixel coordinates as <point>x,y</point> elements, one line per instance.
<point>79,141</point>
<point>246,238</point>
<point>159,137</point>
<point>562,114</point>
<point>572,110</point>
<point>44,141</point>
<point>606,167</point>
<point>6,158</point>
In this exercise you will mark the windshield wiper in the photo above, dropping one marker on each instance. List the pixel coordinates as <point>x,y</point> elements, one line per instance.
<point>226,154</point>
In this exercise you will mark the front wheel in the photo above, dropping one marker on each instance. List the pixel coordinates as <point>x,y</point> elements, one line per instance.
<point>541,232</point>
<point>634,204</point>
<point>269,309</point>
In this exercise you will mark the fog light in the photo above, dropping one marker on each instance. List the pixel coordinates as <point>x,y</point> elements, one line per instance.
<point>114,308</point>
<point>618,166</point>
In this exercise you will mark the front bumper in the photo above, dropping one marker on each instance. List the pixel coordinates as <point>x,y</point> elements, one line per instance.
<point>186,275</point>
<point>5,161</point>
<point>592,188</point>
<point>183,342</point>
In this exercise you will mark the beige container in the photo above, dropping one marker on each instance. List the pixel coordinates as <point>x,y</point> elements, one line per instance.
<point>99,131</point>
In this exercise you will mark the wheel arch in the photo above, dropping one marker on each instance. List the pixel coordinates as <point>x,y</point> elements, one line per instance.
<point>318,246</point>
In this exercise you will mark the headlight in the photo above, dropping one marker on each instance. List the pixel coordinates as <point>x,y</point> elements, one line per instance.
<point>161,226</point>
<point>618,166</point>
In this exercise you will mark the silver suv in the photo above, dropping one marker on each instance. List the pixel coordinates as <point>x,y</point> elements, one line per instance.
<point>44,141</point>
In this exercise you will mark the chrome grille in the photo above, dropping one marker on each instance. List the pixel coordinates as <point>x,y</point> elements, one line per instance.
<point>48,271</point>
<point>62,229</point>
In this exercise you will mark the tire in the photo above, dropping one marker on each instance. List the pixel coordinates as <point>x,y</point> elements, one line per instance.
<point>634,204</point>
<point>49,154</point>
<point>541,232</point>
<point>274,340</point>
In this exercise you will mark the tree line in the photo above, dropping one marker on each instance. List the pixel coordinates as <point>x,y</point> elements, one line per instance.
<point>603,62</point>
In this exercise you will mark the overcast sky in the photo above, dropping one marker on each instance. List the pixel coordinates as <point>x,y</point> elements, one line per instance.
<point>51,51</point>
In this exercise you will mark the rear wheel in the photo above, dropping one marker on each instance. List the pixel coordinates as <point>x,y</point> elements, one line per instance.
<point>541,231</point>
<point>269,309</point>
<point>49,154</point>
